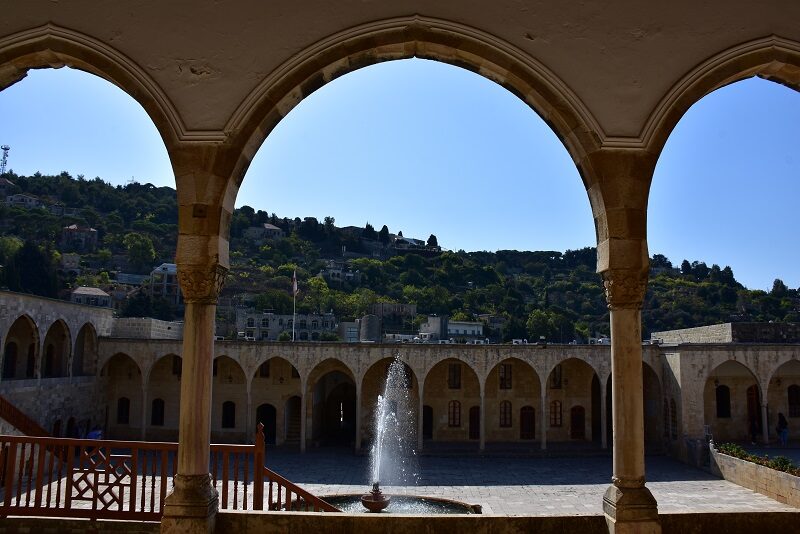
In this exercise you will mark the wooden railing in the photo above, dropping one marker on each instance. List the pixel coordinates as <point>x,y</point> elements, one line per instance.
<point>104,479</point>
<point>19,420</point>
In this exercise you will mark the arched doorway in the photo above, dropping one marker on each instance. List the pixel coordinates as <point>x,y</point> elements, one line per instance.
<point>653,413</point>
<point>527,422</point>
<point>20,350</point>
<point>292,430</point>
<point>508,385</point>
<point>427,422</point>
<point>451,390</point>
<point>84,361</point>
<point>474,422</point>
<point>569,385</point>
<point>333,404</point>
<point>577,421</point>
<point>164,384</point>
<point>266,414</point>
<point>405,396</point>
<point>123,380</point>
<point>57,348</point>
<point>784,397</point>
<point>732,404</point>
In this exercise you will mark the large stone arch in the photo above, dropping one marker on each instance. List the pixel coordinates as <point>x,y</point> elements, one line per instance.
<point>568,386</point>
<point>330,386</point>
<point>373,382</point>
<point>56,350</point>
<point>521,388</point>
<point>21,349</point>
<point>771,57</point>
<point>439,393</point>
<point>403,38</point>
<point>123,384</point>
<point>163,381</point>
<point>735,382</point>
<point>229,386</point>
<point>85,353</point>
<point>54,46</point>
<point>783,394</point>
<point>275,382</point>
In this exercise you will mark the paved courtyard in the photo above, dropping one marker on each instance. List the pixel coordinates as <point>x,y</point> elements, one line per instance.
<point>523,486</point>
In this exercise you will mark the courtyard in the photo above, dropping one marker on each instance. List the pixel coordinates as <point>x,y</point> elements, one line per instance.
<point>524,486</point>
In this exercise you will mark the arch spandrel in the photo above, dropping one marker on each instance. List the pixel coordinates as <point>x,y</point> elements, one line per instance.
<point>403,38</point>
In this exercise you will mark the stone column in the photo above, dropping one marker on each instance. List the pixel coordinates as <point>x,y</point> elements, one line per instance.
<point>143,432</point>
<point>603,416</point>
<point>544,416</point>
<point>303,408</point>
<point>250,428</point>
<point>482,428</point>
<point>628,505</point>
<point>764,423</point>
<point>357,446</point>
<point>193,503</point>
<point>420,426</point>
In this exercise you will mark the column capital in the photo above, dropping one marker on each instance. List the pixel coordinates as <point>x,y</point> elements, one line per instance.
<point>624,288</point>
<point>201,284</point>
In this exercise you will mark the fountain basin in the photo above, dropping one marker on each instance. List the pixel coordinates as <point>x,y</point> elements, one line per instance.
<point>403,504</point>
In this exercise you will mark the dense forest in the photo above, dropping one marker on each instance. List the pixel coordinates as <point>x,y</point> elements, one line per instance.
<point>543,293</point>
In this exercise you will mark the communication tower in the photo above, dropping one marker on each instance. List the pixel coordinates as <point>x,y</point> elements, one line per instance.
<point>5,149</point>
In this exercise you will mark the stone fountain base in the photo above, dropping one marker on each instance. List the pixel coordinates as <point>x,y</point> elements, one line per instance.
<point>375,500</point>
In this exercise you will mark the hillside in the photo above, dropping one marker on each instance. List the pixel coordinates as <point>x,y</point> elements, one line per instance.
<point>545,293</point>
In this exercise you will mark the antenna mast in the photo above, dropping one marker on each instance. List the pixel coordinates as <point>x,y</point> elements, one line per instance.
<point>5,149</point>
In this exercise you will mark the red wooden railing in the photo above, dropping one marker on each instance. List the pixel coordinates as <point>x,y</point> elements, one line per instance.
<point>104,479</point>
<point>19,420</point>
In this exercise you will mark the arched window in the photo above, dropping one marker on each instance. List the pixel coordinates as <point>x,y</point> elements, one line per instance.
<point>228,414</point>
<point>454,414</point>
<point>555,413</point>
<point>723,402</point>
<point>505,414</point>
<point>505,376</point>
<point>673,419</point>
<point>123,410</point>
<point>454,376</point>
<point>794,400</point>
<point>157,413</point>
<point>666,418</point>
<point>263,370</point>
<point>555,377</point>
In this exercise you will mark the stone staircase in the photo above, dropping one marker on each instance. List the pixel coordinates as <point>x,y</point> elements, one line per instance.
<point>20,420</point>
<point>293,430</point>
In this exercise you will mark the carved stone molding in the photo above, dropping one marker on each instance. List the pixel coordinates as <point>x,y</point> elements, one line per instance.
<point>624,288</point>
<point>201,283</point>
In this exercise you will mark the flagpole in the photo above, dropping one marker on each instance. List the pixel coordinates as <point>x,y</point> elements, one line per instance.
<point>294,301</point>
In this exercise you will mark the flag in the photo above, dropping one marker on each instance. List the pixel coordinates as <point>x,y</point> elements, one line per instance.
<point>294,283</point>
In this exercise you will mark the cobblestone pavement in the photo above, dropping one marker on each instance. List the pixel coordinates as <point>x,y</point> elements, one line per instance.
<point>523,486</point>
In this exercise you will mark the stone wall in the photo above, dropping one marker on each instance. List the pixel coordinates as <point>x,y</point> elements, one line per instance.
<point>782,487</point>
<point>146,328</point>
<point>717,333</point>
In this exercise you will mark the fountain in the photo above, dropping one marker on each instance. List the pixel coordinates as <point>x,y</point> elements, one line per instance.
<point>393,458</point>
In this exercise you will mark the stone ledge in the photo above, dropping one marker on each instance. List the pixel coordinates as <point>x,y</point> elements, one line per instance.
<point>782,487</point>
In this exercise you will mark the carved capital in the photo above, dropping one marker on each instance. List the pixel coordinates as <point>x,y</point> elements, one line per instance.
<point>625,288</point>
<point>201,283</point>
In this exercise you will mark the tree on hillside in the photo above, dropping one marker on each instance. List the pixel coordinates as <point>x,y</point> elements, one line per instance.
<point>140,250</point>
<point>383,235</point>
<point>369,232</point>
<point>432,241</point>
<point>32,270</point>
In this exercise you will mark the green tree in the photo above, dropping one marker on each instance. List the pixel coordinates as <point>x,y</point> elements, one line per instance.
<point>32,270</point>
<point>140,250</point>
<point>432,241</point>
<point>383,235</point>
<point>369,232</point>
<point>317,294</point>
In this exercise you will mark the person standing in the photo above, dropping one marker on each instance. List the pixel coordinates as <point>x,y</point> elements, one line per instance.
<point>783,430</point>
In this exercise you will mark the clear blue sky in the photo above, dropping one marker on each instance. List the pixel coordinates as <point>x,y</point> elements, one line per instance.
<point>429,148</point>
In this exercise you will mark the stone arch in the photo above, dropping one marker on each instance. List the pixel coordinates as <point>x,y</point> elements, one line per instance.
<point>56,350</point>
<point>569,383</point>
<point>783,396</point>
<point>275,381</point>
<point>229,401</point>
<point>653,412</point>
<point>441,387</point>
<point>85,354</point>
<point>403,38</point>
<point>372,385</point>
<point>123,380</point>
<point>732,381</point>
<point>54,46</point>
<point>772,57</point>
<point>20,343</point>
<point>163,382</point>
<point>518,384</point>
<point>331,404</point>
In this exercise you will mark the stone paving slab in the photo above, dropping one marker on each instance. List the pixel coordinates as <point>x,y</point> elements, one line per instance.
<point>523,486</point>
